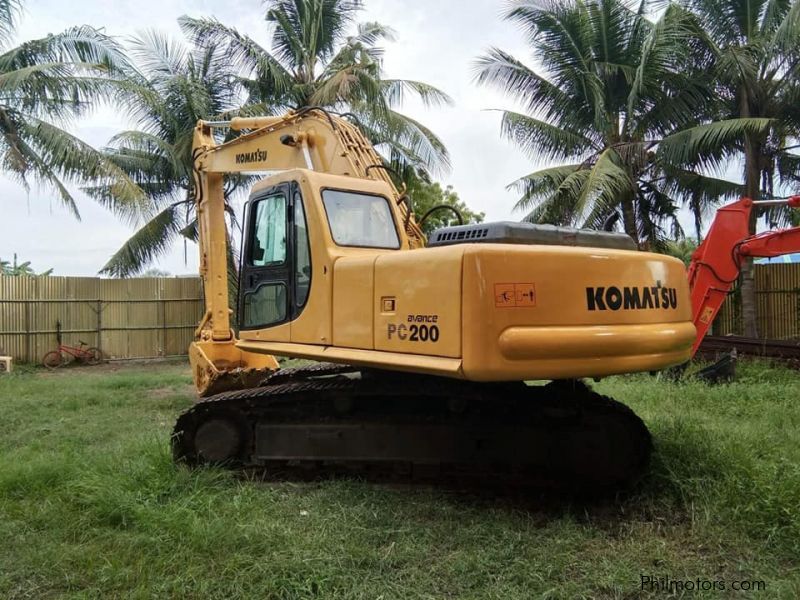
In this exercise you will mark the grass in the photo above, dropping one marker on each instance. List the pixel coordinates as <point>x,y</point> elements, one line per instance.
<point>91,506</point>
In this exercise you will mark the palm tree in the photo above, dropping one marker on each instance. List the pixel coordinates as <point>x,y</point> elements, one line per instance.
<point>682,249</point>
<point>45,84</point>
<point>320,56</point>
<point>611,89</point>
<point>168,91</point>
<point>17,269</point>
<point>754,56</point>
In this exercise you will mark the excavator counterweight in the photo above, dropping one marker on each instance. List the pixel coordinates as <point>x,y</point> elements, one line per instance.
<point>422,353</point>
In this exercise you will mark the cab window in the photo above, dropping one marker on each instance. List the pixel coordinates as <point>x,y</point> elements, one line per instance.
<point>269,232</point>
<point>361,220</point>
<point>303,253</point>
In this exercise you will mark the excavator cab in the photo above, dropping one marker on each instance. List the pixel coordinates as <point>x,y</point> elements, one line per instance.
<point>284,217</point>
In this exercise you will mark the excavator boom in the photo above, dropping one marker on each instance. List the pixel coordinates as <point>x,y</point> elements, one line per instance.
<point>717,261</point>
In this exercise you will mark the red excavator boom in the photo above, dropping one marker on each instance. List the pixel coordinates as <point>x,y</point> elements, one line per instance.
<point>716,263</point>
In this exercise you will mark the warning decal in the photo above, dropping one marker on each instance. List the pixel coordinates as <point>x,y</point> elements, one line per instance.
<point>707,315</point>
<point>514,295</point>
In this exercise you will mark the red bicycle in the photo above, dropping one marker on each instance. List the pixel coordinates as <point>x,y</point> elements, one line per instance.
<point>65,354</point>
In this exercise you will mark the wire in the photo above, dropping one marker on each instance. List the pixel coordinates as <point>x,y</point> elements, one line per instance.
<point>198,180</point>
<point>714,272</point>
<point>385,167</point>
<point>325,112</point>
<point>439,207</point>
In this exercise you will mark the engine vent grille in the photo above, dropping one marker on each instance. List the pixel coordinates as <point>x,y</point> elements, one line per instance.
<point>455,235</point>
<point>508,232</point>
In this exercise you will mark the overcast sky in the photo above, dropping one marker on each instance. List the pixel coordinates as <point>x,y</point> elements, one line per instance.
<point>436,43</point>
<point>437,40</point>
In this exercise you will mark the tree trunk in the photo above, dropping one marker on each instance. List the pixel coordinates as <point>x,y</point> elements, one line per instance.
<point>698,219</point>
<point>752,157</point>
<point>629,219</point>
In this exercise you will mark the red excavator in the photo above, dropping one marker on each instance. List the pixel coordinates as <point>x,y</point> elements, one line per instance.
<point>717,262</point>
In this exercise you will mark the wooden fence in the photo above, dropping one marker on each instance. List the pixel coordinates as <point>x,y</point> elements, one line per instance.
<point>777,304</point>
<point>125,318</point>
<point>152,317</point>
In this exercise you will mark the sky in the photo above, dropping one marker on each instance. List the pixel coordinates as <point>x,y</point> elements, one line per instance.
<point>437,41</point>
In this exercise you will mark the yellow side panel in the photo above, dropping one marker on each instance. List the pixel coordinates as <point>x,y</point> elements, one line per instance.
<point>277,333</point>
<point>417,301</point>
<point>412,363</point>
<point>549,312</point>
<point>353,279</point>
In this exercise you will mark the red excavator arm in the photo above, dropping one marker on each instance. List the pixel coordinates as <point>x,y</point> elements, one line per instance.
<point>716,262</point>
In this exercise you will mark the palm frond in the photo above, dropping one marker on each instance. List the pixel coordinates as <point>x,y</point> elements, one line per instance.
<point>150,241</point>
<point>36,164</point>
<point>541,140</point>
<point>9,11</point>
<point>539,96</point>
<point>309,30</point>
<point>561,207</point>
<point>784,16</point>
<point>370,33</point>
<point>243,53</point>
<point>81,44</point>
<point>346,84</point>
<point>689,145</point>
<point>539,185</point>
<point>607,183</point>
<point>158,54</point>
<point>395,90</point>
<point>407,137</point>
<point>658,56</point>
<point>79,162</point>
<point>708,190</point>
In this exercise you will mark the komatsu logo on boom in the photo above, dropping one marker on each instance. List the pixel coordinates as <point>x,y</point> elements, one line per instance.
<point>631,298</point>
<point>251,157</point>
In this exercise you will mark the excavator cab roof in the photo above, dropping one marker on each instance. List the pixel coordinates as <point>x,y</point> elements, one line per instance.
<point>320,180</point>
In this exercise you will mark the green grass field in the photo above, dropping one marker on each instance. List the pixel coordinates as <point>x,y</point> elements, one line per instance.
<point>92,506</point>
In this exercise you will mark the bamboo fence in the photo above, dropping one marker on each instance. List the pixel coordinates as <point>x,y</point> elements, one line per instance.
<point>777,304</point>
<point>156,317</point>
<point>125,318</point>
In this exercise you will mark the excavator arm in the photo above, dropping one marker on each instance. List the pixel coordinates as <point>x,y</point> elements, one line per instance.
<point>717,261</point>
<point>311,139</point>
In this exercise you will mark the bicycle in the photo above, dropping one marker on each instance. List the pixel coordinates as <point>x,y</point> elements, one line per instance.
<point>60,356</point>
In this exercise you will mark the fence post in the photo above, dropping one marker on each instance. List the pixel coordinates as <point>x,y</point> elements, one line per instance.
<point>28,353</point>
<point>163,326</point>
<point>100,325</point>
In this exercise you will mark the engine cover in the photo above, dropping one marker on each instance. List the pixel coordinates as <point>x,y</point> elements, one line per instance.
<point>510,232</point>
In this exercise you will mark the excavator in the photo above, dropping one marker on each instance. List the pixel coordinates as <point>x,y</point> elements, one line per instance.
<point>459,357</point>
<point>716,263</point>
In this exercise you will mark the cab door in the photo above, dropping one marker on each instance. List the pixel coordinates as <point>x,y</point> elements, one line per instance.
<point>275,272</point>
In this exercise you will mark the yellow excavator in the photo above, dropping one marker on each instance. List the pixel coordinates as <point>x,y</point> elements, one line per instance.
<point>422,348</point>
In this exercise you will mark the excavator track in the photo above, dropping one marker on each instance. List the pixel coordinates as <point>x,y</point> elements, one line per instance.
<point>329,420</point>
